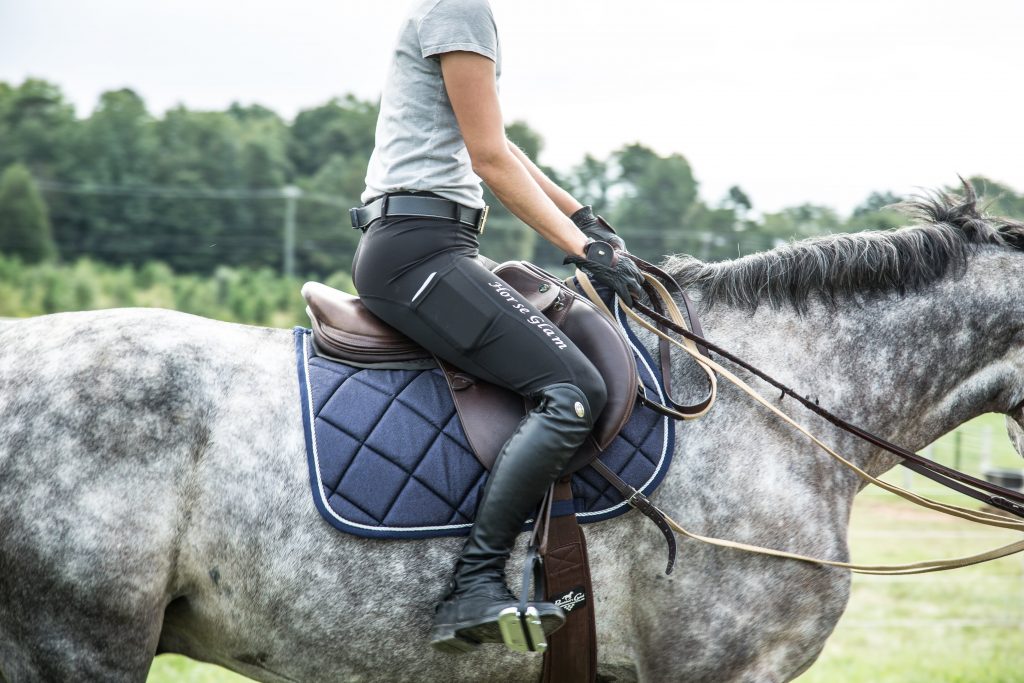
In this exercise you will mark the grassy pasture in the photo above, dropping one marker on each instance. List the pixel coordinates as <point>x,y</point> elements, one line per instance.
<point>963,626</point>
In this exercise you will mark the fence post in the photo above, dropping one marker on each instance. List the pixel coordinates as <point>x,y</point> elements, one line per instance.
<point>291,195</point>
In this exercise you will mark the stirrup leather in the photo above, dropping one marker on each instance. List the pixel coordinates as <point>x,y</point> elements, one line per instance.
<point>521,627</point>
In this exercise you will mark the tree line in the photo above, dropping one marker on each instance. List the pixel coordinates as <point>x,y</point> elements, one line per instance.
<point>202,190</point>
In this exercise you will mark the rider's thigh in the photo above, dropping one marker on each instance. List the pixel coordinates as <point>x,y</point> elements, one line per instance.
<point>468,316</point>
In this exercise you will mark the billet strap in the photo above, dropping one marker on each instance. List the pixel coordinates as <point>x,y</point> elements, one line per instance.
<point>571,656</point>
<point>676,411</point>
<point>981,517</point>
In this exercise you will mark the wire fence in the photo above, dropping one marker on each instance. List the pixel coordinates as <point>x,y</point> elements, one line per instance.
<point>288,227</point>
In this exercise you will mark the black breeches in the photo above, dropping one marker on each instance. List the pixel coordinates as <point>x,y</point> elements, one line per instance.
<point>421,276</point>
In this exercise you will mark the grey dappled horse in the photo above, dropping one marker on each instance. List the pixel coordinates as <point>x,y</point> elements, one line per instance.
<point>154,495</point>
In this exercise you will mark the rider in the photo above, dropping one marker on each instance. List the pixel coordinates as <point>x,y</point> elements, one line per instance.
<point>439,133</point>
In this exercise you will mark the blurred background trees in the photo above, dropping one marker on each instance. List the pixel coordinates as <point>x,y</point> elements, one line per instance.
<point>242,195</point>
<point>24,223</point>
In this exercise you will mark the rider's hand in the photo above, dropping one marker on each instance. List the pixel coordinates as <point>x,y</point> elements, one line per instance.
<point>597,228</point>
<point>610,267</point>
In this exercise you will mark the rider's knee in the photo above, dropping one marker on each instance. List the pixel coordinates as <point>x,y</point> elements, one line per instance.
<point>593,387</point>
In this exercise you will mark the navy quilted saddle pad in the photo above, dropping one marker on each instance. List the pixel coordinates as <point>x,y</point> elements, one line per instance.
<point>388,457</point>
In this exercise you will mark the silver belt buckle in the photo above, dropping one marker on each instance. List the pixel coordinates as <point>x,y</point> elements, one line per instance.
<point>482,221</point>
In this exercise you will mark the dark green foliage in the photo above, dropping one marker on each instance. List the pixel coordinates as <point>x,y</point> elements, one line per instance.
<point>650,199</point>
<point>24,225</point>
<point>203,190</point>
<point>343,127</point>
<point>526,138</point>
<point>36,127</point>
<point>877,212</point>
<point>327,240</point>
<point>591,182</point>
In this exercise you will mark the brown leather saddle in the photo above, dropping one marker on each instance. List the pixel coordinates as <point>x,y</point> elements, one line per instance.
<point>345,330</point>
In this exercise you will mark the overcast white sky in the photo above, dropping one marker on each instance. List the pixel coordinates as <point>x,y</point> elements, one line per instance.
<point>794,100</point>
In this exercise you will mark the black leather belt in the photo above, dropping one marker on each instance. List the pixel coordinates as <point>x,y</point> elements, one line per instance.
<point>425,207</point>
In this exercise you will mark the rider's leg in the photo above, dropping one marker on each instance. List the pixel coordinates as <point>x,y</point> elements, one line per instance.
<point>529,462</point>
<point>449,303</point>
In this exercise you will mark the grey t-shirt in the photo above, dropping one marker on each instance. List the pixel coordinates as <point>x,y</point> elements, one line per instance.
<point>418,143</point>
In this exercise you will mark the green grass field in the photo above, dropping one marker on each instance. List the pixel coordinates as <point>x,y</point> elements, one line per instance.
<point>963,626</point>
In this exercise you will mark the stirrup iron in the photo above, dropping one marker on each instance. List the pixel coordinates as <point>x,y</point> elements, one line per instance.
<point>520,626</point>
<point>522,631</point>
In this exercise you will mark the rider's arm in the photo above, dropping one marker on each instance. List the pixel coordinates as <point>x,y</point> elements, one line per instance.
<point>472,88</point>
<point>565,202</point>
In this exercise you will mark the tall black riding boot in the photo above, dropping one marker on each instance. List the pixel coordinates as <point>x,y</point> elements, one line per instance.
<point>530,461</point>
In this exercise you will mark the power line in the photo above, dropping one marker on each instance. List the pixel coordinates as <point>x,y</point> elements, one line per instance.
<point>188,192</point>
<point>290,194</point>
<point>704,243</point>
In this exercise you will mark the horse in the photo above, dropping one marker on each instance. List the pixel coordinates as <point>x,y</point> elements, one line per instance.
<point>154,494</point>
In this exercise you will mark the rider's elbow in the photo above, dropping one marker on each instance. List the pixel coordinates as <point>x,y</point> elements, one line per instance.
<point>491,161</point>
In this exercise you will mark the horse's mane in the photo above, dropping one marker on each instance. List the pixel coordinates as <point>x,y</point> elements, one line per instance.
<point>949,229</point>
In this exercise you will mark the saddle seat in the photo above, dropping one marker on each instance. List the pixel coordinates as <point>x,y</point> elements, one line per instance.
<point>344,329</point>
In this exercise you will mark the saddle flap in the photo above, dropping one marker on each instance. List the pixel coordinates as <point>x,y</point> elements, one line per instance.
<point>603,343</point>
<point>489,413</point>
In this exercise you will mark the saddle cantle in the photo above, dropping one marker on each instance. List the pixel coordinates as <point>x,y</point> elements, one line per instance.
<point>345,330</point>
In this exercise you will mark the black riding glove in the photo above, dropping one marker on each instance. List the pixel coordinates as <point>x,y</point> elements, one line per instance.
<point>596,228</point>
<point>611,267</point>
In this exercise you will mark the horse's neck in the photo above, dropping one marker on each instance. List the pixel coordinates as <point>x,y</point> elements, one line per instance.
<point>907,368</point>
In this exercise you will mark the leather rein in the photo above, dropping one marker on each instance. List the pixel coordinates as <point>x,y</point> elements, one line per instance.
<point>1001,498</point>
<point>665,314</point>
